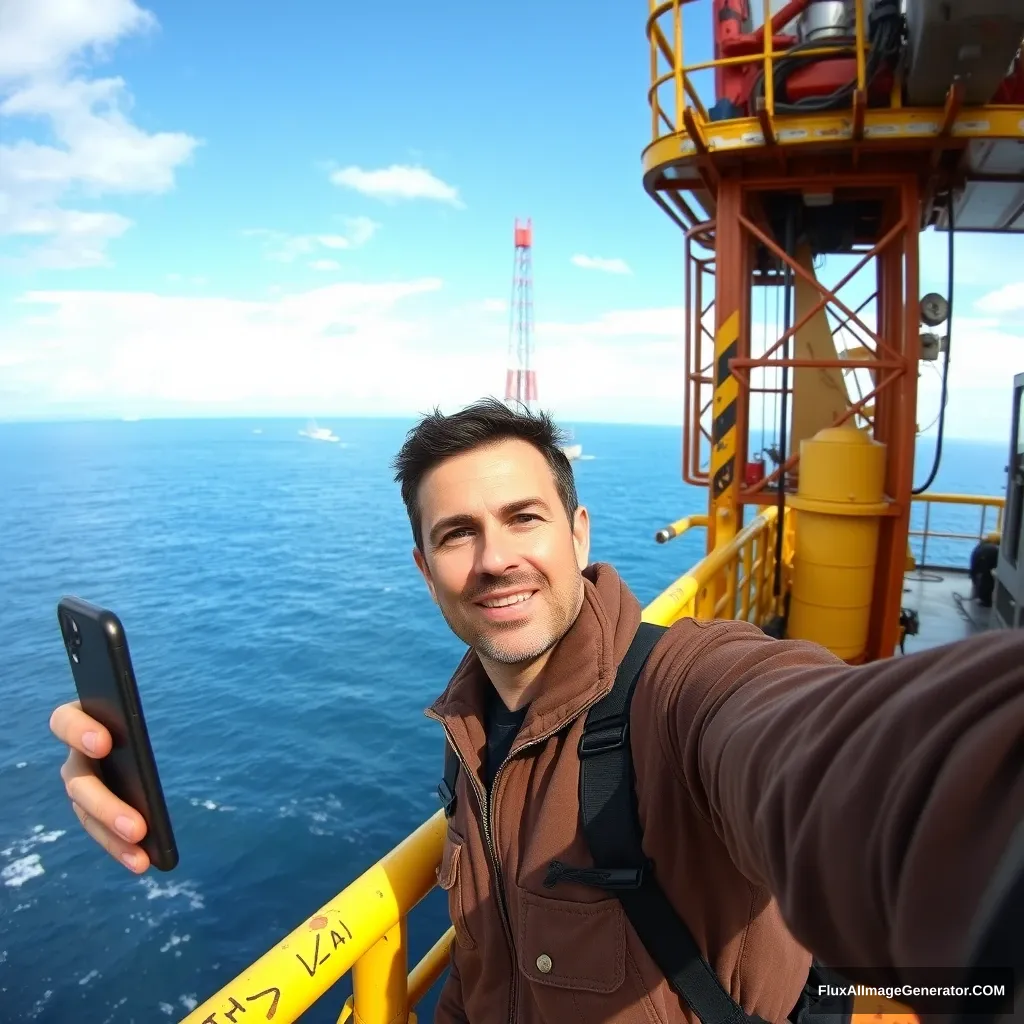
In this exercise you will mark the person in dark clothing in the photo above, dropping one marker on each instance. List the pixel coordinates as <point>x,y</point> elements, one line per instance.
<point>984,559</point>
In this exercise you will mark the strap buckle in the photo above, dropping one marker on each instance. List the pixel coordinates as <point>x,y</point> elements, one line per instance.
<point>603,737</point>
<point>447,796</point>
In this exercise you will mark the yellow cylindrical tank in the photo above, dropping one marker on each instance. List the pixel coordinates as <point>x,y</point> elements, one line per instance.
<point>839,504</point>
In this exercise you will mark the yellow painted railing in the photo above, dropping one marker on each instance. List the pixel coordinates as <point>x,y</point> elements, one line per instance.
<point>363,929</point>
<point>665,22</point>
<point>990,520</point>
<point>679,527</point>
<point>735,581</point>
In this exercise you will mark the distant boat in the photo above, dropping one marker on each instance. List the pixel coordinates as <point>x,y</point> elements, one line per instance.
<point>572,451</point>
<point>319,433</point>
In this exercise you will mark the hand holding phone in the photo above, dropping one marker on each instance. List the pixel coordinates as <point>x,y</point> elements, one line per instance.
<point>110,774</point>
<point>117,827</point>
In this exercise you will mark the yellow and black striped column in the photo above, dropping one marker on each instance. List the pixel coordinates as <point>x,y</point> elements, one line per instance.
<point>723,431</point>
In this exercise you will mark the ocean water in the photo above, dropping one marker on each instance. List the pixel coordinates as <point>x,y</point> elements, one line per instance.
<point>285,647</point>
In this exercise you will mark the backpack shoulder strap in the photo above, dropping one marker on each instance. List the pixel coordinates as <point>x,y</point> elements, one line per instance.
<point>446,791</point>
<point>608,808</point>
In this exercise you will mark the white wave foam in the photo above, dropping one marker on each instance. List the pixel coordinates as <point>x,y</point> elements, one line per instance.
<point>115,1008</point>
<point>318,810</point>
<point>210,805</point>
<point>171,890</point>
<point>18,872</point>
<point>27,865</point>
<point>38,835</point>
<point>174,940</point>
<point>41,1004</point>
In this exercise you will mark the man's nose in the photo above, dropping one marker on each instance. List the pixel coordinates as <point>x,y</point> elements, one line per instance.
<point>495,555</point>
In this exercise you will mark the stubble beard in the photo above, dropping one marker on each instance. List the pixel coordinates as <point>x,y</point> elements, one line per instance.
<point>487,643</point>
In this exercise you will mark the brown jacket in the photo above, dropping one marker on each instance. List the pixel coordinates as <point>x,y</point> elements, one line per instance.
<point>863,807</point>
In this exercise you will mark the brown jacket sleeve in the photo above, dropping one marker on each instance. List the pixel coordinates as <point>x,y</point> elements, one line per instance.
<point>873,802</point>
<point>450,1009</point>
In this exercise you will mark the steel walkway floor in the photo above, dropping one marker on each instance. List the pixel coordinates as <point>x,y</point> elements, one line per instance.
<point>942,600</point>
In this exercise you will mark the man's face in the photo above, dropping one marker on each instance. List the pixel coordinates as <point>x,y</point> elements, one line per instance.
<point>500,556</point>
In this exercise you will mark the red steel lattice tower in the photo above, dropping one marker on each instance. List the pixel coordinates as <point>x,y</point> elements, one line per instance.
<point>521,378</point>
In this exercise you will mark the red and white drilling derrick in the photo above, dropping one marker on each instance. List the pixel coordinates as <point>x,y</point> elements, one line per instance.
<point>521,378</point>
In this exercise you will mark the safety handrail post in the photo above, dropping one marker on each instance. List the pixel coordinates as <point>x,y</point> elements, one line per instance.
<point>677,63</point>
<point>858,8</point>
<point>380,978</point>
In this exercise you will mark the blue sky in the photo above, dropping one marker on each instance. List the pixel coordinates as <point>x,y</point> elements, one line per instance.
<point>307,208</point>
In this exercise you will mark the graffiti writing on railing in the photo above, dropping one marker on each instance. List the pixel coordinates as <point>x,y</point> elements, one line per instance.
<point>270,997</point>
<point>336,938</point>
<point>236,1007</point>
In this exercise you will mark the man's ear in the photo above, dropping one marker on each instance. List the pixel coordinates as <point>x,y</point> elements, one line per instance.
<point>421,564</point>
<point>581,537</point>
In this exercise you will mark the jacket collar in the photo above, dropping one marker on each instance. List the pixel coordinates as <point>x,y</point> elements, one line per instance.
<point>580,670</point>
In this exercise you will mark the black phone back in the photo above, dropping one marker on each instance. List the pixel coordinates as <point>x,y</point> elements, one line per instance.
<point>97,649</point>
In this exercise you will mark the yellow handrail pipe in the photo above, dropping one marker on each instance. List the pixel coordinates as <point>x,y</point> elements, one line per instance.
<point>288,979</point>
<point>679,527</point>
<point>430,968</point>
<point>421,978</point>
<point>677,600</point>
<point>936,498</point>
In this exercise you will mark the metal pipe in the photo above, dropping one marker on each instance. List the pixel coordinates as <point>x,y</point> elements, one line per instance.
<point>783,433</point>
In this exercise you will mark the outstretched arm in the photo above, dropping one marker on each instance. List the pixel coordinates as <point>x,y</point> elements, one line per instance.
<point>874,802</point>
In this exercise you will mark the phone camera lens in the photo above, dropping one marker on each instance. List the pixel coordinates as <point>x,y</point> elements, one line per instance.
<point>73,638</point>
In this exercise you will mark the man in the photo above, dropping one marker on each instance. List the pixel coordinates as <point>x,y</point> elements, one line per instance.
<point>788,802</point>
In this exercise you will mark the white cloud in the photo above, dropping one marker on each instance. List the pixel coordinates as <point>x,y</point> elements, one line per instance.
<point>37,36</point>
<point>368,348</point>
<point>620,325</point>
<point>284,248</point>
<point>96,150</point>
<point>95,351</point>
<point>387,348</point>
<point>609,266</point>
<point>1008,299</point>
<point>398,182</point>
<point>384,347</point>
<point>325,265</point>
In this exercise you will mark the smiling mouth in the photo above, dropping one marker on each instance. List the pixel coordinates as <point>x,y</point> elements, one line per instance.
<point>509,601</point>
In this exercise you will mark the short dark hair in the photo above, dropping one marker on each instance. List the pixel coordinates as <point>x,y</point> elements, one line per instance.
<point>489,421</point>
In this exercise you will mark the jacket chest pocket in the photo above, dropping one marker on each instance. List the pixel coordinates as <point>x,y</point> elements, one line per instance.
<point>575,963</point>
<point>450,877</point>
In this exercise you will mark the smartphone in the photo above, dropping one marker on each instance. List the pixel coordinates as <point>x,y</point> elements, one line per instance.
<point>97,649</point>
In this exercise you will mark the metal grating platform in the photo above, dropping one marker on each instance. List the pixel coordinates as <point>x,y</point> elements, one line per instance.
<point>942,600</point>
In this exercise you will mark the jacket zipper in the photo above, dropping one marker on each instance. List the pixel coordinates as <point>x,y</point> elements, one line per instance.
<point>485,815</point>
<point>486,807</point>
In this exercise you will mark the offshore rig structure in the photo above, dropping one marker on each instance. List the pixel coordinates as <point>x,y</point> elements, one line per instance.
<point>521,376</point>
<point>840,131</point>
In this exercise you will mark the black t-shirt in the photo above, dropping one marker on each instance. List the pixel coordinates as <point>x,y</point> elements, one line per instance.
<point>502,728</point>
